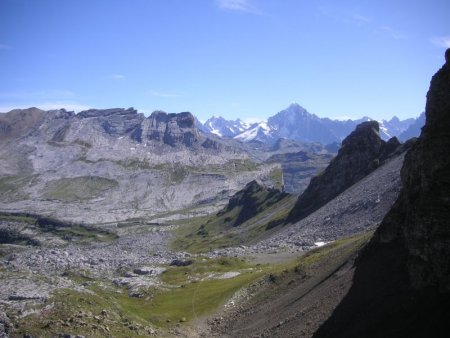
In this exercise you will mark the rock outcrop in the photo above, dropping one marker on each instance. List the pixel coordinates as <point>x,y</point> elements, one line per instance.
<point>401,284</point>
<point>173,129</point>
<point>250,201</point>
<point>361,153</point>
<point>421,214</point>
<point>117,121</point>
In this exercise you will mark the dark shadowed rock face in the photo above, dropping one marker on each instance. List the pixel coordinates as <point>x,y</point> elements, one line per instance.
<point>401,285</point>
<point>361,153</point>
<point>173,129</point>
<point>421,216</point>
<point>251,200</point>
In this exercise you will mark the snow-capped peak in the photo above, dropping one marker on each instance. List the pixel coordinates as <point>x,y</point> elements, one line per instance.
<point>225,128</point>
<point>260,132</point>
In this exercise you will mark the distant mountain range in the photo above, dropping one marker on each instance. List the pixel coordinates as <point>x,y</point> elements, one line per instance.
<point>296,123</point>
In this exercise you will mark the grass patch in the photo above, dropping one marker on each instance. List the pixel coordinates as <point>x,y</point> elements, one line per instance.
<point>78,188</point>
<point>98,313</point>
<point>196,298</point>
<point>11,187</point>
<point>65,230</point>
<point>82,143</point>
<point>83,233</point>
<point>178,174</point>
<point>134,164</point>
<point>106,310</point>
<point>316,255</point>
<point>193,291</point>
<point>276,176</point>
<point>344,247</point>
<point>241,165</point>
<point>200,267</point>
<point>17,218</point>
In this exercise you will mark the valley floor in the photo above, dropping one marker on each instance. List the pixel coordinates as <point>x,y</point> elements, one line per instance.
<point>132,280</point>
<point>134,286</point>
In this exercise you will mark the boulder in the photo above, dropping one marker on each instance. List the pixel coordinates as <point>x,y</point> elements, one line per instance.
<point>178,262</point>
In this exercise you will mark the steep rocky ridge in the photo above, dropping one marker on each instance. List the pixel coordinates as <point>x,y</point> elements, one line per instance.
<point>361,153</point>
<point>420,216</point>
<point>360,207</point>
<point>402,279</point>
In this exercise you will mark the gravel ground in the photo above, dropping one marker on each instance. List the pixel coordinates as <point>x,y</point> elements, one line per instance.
<point>32,273</point>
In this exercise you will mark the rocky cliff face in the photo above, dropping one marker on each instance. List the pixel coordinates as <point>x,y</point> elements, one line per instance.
<point>170,129</point>
<point>118,122</point>
<point>361,153</point>
<point>401,283</point>
<point>420,217</point>
<point>173,129</point>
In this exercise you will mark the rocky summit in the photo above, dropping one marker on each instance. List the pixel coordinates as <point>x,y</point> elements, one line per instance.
<point>362,152</point>
<point>173,129</point>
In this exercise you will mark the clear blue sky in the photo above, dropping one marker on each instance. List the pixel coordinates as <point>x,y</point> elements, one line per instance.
<point>235,58</point>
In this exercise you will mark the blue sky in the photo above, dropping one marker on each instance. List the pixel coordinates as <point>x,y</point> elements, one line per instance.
<point>243,59</point>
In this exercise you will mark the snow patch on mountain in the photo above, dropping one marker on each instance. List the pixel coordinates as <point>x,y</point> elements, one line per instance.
<point>296,123</point>
<point>225,128</point>
<point>259,132</point>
